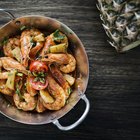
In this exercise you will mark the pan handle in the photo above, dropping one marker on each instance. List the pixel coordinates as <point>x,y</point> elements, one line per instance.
<point>8,13</point>
<point>66,128</point>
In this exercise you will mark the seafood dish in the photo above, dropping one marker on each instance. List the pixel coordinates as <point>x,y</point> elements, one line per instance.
<point>37,71</point>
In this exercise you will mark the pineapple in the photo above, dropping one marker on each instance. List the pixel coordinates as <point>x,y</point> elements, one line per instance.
<point>121,21</point>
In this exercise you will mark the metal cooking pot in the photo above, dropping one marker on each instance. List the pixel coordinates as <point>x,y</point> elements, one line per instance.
<point>77,48</point>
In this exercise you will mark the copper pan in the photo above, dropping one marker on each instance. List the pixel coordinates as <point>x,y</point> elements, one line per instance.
<point>82,76</point>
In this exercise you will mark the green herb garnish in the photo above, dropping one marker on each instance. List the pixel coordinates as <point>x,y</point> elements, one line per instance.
<point>18,92</point>
<point>19,74</point>
<point>5,41</point>
<point>69,90</point>
<point>23,27</point>
<point>58,36</point>
<point>42,74</point>
<point>18,89</point>
<point>34,73</point>
<point>33,43</point>
<point>39,74</point>
<point>42,80</point>
<point>36,79</point>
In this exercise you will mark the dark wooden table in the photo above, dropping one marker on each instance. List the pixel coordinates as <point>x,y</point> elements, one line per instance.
<point>114,84</point>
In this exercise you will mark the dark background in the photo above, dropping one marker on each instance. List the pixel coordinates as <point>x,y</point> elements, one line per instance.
<point>114,84</point>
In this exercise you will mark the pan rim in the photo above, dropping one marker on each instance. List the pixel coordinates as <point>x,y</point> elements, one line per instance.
<point>87,78</point>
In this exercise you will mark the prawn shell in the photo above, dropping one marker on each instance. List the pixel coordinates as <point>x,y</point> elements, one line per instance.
<point>58,94</point>
<point>58,76</point>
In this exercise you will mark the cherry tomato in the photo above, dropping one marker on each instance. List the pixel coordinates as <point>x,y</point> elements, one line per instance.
<point>38,80</point>
<point>38,66</point>
<point>38,85</point>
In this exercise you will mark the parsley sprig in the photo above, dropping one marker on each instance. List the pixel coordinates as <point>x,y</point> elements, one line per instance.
<point>18,91</point>
<point>39,76</point>
<point>58,36</point>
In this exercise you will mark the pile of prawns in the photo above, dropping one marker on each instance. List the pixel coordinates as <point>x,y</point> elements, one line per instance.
<point>36,71</point>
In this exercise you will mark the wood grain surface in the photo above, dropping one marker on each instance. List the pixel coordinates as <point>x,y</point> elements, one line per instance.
<point>114,84</point>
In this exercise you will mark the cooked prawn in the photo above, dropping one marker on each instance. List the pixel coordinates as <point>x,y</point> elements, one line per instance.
<point>4,89</point>
<point>9,63</point>
<point>28,102</point>
<point>27,39</point>
<point>57,58</point>
<point>56,73</point>
<point>48,42</point>
<point>58,94</point>
<point>10,45</point>
<point>70,67</point>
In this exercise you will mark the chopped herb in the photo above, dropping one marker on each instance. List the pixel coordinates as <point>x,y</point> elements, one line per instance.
<point>5,41</point>
<point>36,79</point>
<point>69,90</point>
<point>58,36</point>
<point>23,27</point>
<point>42,80</point>
<point>33,43</point>
<point>18,91</point>
<point>41,74</point>
<point>34,73</point>
<point>19,74</point>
